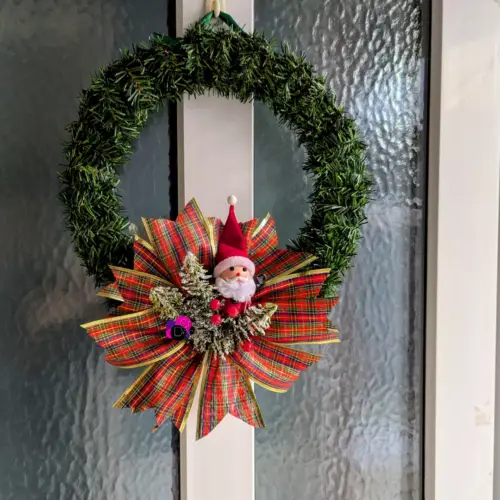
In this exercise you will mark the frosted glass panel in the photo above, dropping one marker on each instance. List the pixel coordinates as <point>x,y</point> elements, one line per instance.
<point>350,429</point>
<point>61,438</point>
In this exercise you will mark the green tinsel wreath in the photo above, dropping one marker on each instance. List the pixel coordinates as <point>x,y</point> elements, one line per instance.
<point>232,63</point>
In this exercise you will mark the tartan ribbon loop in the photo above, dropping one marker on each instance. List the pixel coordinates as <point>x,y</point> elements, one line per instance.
<point>301,285</point>
<point>225,390</point>
<point>167,387</point>
<point>134,287</point>
<point>173,240</point>
<point>274,367</point>
<point>146,260</point>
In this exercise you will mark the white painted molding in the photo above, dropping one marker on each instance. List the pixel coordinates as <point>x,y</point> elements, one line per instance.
<point>215,150</point>
<point>463,213</point>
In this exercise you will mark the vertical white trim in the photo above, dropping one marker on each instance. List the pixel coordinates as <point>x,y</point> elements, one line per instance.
<point>496,470</point>
<point>215,150</point>
<point>463,213</point>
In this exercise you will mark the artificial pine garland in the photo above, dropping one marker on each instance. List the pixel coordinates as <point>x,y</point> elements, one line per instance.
<point>232,63</point>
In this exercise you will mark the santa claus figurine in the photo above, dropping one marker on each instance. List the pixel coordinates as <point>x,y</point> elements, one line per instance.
<point>234,272</point>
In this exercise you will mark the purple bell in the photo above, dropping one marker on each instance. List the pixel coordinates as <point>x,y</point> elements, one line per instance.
<point>179,329</point>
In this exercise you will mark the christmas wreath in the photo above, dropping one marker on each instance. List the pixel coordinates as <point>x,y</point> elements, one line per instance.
<point>232,63</point>
<point>202,299</point>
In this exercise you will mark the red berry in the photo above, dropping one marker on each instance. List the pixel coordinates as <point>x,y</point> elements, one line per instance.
<point>247,346</point>
<point>216,319</point>
<point>215,304</point>
<point>232,311</point>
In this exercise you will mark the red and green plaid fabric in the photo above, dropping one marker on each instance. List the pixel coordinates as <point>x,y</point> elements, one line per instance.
<point>225,390</point>
<point>264,239</point>
<point>280,262</point>
<point>174,393</point>
<point>294,286</point>
<point>264,253</point>
<point>166,387</point>
<point>273,366</point>
<point>111,291</point>
<point>133,339</point>
<point>323,335</point>
<point>180,414</point>
<point>141,394</point>
<point>146,261</point>
<point>248,228</point>
<point>174,239</point>
<point>301,314</point>
<point>136,337</point>
<point>302,321</point>
<point>134,288</point>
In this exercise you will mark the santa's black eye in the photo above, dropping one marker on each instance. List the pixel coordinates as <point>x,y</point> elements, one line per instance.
<point>231,268</point>
<point>244,269</point>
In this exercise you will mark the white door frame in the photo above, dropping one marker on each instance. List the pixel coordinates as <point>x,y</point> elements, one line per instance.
<point>215,150</point>
<point>463,208</point>
<point>463,230</point>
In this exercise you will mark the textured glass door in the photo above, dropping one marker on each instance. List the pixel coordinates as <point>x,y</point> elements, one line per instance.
<point>61,438</point>
<point>351,428</point>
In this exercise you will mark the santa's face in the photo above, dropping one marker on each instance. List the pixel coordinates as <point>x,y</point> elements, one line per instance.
<point>235,274</point>
<point>236,283</point>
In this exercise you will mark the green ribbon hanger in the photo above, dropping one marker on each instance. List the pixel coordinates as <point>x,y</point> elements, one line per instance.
<point>206,19</point>
<point>225,18</point>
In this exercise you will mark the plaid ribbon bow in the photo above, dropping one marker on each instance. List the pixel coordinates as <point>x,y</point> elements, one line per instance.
<point>135,336</point>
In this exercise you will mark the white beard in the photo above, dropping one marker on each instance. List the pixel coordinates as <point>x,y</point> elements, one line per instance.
<point>237,290</point>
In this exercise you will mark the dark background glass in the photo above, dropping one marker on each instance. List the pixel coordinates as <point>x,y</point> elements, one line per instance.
<point>61,438</point>
<point>350,429</point>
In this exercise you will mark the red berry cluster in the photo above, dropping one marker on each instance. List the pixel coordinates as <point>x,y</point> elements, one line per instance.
<point>215,306</point>
<point>232,311</point>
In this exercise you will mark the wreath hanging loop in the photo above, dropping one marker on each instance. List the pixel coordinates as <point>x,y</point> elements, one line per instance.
<point>217,6</point>
<point>232,63</point>
<point>224,17</point>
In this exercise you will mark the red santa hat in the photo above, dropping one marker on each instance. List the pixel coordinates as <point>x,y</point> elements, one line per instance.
<point>232,249</point>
